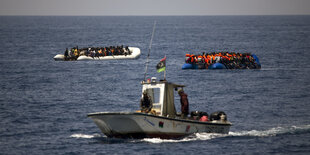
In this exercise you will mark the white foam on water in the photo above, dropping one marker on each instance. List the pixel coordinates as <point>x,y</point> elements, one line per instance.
<point>85,136</point>
<point>158,140</point>
<point>255,133</point>
<point>208,136</point>
<point>271,132</point>
<point>194,137</point>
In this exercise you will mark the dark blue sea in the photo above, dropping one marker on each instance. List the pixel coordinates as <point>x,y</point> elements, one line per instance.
<point>44,103</point>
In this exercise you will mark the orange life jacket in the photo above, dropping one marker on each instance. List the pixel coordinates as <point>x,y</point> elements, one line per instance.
<point>200,58</point>
<point>225,57</point>
<point>187,58</point>
<point>192,58</point>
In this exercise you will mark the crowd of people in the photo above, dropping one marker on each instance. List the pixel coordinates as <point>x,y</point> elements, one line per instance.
<point>75,52</point>
<point>231,60</point>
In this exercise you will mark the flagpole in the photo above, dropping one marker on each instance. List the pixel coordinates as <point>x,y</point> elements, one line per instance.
<point>150,46</point>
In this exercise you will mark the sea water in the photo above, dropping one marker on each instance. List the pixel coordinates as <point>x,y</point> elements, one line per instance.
<point>44,103</point>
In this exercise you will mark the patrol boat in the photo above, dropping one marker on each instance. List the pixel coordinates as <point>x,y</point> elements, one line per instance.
<point>135,53</point>
<point>163,122</point>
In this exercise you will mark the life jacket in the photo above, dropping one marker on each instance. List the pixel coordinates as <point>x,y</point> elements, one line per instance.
<point>200,59</point>
<point>193,58</point>
<point>76,52</point>
<point>187,58</point>
<point>211,57</point>
<point>205,59</point>
<point>208,59</point>
<point>225,57</point>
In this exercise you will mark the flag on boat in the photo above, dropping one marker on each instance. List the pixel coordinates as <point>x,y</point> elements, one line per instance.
<point>161,66</point>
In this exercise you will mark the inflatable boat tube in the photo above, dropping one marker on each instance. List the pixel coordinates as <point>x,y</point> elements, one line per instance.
<point>256,61</point>
<point>217,66</point>
<point>189,66</point>
<point>59,57</point>
<point>135,54</point>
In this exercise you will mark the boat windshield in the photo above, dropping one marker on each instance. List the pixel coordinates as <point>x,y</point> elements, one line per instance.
<point>154,94</point>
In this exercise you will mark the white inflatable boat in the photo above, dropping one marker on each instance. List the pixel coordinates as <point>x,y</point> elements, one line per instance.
<point>135,53</point>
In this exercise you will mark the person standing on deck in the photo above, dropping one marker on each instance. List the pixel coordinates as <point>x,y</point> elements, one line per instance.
<point>66,54</point>
<point>184,103</point>
<point>146,103</point>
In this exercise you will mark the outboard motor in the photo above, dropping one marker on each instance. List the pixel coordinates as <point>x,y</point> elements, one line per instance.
<point>218,116</point>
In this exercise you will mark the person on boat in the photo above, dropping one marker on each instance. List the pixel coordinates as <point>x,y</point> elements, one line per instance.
<point>203,118</point>
<point>200,59</point>
<point>146,103</point>
<point>187,58</point>
<point>76,53</point>
<point>93,53</point>
<point>184,103</point>
<point>127,49</point>
<point>71,54</point>
<point>66,54</point>
<point>126,52</point>
<point>96,53</point>
<point>121,48</point>
<point>100,52</point>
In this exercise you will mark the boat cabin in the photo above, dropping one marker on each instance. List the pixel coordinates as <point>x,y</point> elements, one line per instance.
<point>162,96</point>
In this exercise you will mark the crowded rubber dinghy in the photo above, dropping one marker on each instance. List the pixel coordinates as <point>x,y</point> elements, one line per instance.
<point>99,53</point>
<point>221,60</point>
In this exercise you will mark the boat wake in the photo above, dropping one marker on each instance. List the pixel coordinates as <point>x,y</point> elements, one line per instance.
<point>194,137</point>
<point>208,136</point>
<point>85,136</point>
<point>253,133</point>
<point>273,131</point>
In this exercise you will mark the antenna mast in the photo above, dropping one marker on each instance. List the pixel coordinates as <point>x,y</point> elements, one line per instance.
<point>150,46</point>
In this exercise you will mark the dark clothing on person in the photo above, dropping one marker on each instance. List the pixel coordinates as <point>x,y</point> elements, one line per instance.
<point>184,104</point>
<point>146,104</point>
<point>66,53</point>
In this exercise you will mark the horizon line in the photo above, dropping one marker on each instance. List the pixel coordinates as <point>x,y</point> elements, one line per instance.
<point>166,15</point>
